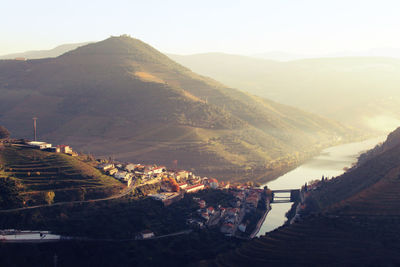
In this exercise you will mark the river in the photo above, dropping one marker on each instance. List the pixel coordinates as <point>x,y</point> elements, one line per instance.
<point>330,162</point>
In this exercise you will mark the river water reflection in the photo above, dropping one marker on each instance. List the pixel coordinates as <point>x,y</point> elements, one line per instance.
<point>330,163</point>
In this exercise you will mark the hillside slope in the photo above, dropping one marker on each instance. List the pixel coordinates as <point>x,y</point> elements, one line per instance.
<point>358,91</point>
<point>121,97</point>
<point>357,224</point>
<point>36,173</point>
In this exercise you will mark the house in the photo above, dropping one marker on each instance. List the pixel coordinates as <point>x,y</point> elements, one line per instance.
<point>148,170</point>
<point>223,210</point>
<point>39,145</point>
<point>224,186</point>
<point>195,223</point>
<point>183,175</point>
<point>210,210</point>
<point>146,234</point>
<point>183,185</point>
<point>252,202</point>
<point>227,228</point>
<point>65,149</point>
<point>242,227</point>
<point>167,198</point>
<point>140,168</point>
<point>202,204</point>
<point>213,183</point>
<point>130,167</point>
<point>194,188</point>
<point>105,166</point>
<point>112,171</point>
<point>239,195</point>
<point>53,149</point>
<point>129,182</point>
<point>158,170</point>
<point>123,175</point>
<point>231,218</point>
<point>232,211</point>
<point>252,199</point>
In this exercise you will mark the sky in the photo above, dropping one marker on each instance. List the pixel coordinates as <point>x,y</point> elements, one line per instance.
<point>188,26</point>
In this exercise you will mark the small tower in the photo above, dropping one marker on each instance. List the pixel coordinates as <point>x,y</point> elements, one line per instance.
<point>34,128</point>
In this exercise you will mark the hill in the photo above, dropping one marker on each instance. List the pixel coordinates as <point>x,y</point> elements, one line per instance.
<point>358,91</point>
<point>32,174</point>
<point>121,97</point>
<point>355,221</point>
<point>36,54</point>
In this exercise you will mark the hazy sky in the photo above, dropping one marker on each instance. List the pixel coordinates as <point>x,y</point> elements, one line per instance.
<point>186,26</point>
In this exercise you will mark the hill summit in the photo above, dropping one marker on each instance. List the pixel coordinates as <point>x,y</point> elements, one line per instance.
<point>121,97</point>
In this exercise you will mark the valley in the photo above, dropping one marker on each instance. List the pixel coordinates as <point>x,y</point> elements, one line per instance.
<point>122,98</point>
<point>200,133</point>
<point>356,210</point>
<point>342,220</point>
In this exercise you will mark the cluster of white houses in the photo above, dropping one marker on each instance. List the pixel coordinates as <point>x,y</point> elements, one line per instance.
<point>49,147</point>
<point>173,184</point>
<point>148,174</point>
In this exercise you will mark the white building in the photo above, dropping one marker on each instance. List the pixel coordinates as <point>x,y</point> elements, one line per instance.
<point>146,234</point>
<point>40,145</point>
<point>105,166</point>
<point>123,175</point>
<point>130,167</point>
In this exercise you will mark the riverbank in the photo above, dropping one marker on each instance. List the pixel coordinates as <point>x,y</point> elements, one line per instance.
<point>331,162</point>
<point>261,221</point>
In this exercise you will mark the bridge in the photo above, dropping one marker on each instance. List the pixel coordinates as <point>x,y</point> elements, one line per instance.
<point>290,195</point>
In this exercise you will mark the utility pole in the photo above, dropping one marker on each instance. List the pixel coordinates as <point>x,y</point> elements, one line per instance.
<point>34,127</point>
<point>55,260</point>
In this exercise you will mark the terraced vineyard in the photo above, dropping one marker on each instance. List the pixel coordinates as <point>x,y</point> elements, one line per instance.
<point>320,241</point>
<point>359,227</point>
<point>69,178</point>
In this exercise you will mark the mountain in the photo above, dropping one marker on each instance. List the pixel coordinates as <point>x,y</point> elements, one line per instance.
<point>36,54</point>
<point>389,52</point>
<point>356,213</point>
<point>279,56</point>
<point>358,91</point>
<point>122,98</point>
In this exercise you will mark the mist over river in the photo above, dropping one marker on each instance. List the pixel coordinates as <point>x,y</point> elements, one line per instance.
<point>330,162</point>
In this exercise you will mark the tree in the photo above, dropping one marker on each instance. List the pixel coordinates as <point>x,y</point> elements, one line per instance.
<point>4,133</point>
<point>49,197</point>
<point>174,185</point>
<point>9,193</point>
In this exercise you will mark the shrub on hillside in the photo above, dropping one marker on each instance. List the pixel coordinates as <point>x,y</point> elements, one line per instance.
<point>4,133</point>
<point>9,194</point>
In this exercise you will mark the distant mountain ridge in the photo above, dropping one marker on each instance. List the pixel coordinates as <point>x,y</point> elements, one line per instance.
<point>358,91</point>
<point>388,52</point>
<point>37,54</point>
<point>121,97</point>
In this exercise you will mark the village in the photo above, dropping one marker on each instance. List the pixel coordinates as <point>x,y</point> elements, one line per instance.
<point>172,185</point>
<point>232,220</point>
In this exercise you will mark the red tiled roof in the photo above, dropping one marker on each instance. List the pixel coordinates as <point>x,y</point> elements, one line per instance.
<point>194,186</point>
<point>212,180</point>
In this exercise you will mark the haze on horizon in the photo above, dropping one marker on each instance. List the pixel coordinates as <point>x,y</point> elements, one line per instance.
<point>308,27</point>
